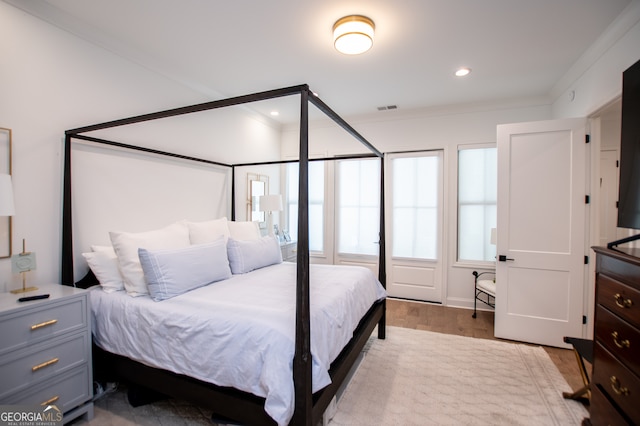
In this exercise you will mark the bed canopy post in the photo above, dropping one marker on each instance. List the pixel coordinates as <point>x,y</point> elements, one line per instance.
<point>382,260</point>
<point>67,231</point>
<point>302,356</point>
<point>233,192</point>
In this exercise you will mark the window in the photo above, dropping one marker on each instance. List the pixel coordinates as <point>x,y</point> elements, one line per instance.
<point>358,206</point>
<point>477,196</point>
<point>316,203</point>
<point>415,199</point>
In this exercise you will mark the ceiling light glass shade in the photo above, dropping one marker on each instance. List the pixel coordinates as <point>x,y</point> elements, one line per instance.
<point>353,34</point>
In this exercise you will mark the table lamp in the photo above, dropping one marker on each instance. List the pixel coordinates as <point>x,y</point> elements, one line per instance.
<point>270,204</point>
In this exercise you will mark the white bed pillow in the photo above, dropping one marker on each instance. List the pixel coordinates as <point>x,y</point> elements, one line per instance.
<point>244,230</point>
<point>108,249</point>
<point>247,255</point>
<point>104,264</point>
<point>208,231</point>
<point>126,245</point>
<point>171,272</point>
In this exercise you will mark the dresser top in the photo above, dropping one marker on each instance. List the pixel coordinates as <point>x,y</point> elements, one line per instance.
<point>9,301</point>
<point>631,255</point>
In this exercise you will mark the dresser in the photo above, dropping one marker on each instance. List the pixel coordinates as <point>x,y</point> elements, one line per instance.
<point>615,387</point>
<point>45,350</point>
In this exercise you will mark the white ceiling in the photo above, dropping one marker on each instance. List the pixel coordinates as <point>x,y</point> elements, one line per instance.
<point>516,48</point>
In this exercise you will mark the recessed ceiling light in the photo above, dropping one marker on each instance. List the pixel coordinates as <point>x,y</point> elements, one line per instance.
<point>274,113</point>
<point>461,72</point>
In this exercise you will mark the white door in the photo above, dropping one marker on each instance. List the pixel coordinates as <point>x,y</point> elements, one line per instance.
<point>608,196</point>
<point>414,225</point>
<point>540,273</point>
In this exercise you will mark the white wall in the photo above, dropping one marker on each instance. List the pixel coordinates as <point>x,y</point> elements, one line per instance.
<point>601,82</point>
<point>51,81</point>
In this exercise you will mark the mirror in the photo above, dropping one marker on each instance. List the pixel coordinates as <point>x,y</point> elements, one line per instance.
<point>5,168</point>
<point>258,185</point>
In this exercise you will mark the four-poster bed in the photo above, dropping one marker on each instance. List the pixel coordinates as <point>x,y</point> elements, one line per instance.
<point>232,403</point>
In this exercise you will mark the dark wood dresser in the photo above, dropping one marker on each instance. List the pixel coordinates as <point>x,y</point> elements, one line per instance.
<point>615,388</point>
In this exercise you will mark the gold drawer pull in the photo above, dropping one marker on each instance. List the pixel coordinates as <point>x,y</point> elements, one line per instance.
<point>622,301</point>
<point>43,324</point>
<point>44,364</point>
<point>51,400</point>
<point>617,388</point>
<point>621,344</point>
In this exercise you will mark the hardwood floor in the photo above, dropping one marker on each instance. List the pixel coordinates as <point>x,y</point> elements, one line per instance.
<point>444,319</point>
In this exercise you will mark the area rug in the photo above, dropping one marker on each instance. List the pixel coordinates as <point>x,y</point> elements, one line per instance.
<point>422,378</point>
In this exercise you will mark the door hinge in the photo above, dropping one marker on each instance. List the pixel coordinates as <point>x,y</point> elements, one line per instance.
<point>586,260</point>
<point>617,163</point>
<point>587,138</point>
<point>587,199</point>
<point>584,319</point>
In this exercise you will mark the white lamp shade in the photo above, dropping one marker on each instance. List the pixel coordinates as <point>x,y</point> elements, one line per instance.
<point>7,208</point>
<point>270,203</point>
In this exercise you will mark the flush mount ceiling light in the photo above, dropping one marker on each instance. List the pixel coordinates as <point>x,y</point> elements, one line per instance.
<point>353,34</point>
<point>461,72</point>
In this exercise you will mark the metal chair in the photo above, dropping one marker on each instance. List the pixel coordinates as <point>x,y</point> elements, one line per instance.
<point>485,289</point>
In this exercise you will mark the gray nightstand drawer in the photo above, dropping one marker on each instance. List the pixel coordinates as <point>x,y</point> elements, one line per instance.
<point>65,391</point>
<point>41,322</point>
<point>24,369</point>
<point>289,251</point>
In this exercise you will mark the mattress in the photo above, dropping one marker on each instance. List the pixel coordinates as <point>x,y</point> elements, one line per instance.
<point>240,332</point>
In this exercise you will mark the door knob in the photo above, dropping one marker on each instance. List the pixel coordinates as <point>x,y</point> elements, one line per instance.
<point>503,258</point>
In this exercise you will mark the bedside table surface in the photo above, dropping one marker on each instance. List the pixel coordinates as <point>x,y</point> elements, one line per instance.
<point>9,301</point>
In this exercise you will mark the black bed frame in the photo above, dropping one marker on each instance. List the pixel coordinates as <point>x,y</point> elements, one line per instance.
<point>228,402</point>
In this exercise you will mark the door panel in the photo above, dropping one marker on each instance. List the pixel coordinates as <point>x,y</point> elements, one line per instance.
<point>409,280</point>
<point>541,231</point>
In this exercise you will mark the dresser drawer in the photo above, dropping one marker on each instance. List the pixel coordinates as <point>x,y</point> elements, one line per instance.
<point>619,337</point>
<point>603,413</point>
<point>616,381</point>
<point>619,298</point>
<point>42,322</point>
<point>25,368</point>
<point>65,391</point>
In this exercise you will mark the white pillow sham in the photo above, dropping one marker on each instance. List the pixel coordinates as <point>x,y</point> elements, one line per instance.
<point>171,272</point>
<point>208,231</point>
<point>247,255</point>
<point>244,230</point>
<point>104,264</point>
<point>126,245</point>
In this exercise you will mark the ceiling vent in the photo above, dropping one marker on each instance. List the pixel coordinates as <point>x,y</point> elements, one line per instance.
<point>388,107</point>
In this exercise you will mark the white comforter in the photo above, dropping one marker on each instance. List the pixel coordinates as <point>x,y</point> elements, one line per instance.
<point>240,332</point>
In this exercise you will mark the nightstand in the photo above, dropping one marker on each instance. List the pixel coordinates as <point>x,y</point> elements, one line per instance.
<point>289,251</point>
<point>45,350</point>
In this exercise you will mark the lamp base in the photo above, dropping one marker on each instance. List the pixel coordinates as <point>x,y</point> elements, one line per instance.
<point>23,290</point>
